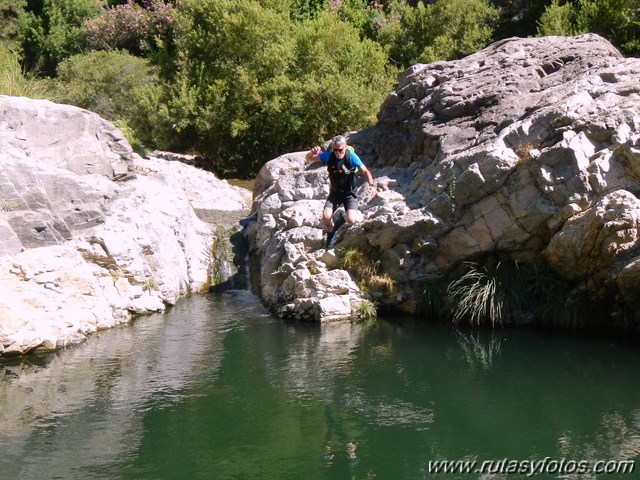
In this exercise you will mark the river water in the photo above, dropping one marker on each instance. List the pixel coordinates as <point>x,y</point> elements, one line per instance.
<point>216,388</point>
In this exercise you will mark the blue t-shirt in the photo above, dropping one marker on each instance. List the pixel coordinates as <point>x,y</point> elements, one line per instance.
<point>353,157</point>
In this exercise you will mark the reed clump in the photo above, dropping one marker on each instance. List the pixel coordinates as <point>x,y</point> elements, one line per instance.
<point>500,293</point>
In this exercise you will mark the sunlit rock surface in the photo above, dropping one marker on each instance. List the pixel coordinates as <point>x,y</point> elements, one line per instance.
<point>528,149</point>
<point>90,232</point>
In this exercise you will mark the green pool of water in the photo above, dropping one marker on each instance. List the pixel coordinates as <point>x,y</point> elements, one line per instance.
<point>216,388</point>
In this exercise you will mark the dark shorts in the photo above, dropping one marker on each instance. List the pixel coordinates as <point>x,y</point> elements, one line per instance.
<point>336,199</point>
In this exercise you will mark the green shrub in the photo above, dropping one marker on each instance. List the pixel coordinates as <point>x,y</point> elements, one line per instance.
<point>558,20</point>
<point>151,121</point>
<point>129,133</point>
<point>459,28</point>
<point>54,31</point>
<point>445,30</point>
<point>302,10</point>
<point>11,12</point>
<point>108,83</point>
<point>616,20</point>
<point>119,87</point>
<point>341,79</point>
<point>251,84</point>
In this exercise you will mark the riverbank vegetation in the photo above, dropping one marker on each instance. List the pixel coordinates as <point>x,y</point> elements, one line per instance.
<point>367,272</point>
<point>497,293</point>
<point>238,82</point>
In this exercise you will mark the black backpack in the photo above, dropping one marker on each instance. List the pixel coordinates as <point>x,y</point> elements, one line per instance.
<point>341,173</point>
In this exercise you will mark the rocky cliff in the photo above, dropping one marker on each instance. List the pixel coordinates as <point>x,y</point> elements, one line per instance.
<point>525,152</point>
<point>90,232</point>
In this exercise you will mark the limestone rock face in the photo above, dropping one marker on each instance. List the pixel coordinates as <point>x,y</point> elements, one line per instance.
<point>529,148</point>
<point>90,232</point>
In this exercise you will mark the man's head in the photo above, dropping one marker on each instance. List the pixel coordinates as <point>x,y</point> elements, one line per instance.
<point>339,145</point>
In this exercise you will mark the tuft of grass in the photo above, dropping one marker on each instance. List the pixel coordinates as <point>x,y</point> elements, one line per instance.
<point>496,293</point>
<point>149,284</point>
<point>356,262</point>
<point>524,152</point>
<point>382,283</point>
<point>368,310</point>
<point>14,82</point>
<point>366,271</point>
<point>10,206</point>
<point>478,296</point>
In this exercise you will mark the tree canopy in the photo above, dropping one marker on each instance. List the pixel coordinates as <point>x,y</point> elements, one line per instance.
<point>242,81</point>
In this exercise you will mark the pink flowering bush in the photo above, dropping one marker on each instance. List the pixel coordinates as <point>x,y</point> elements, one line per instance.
<point>131,27</point>
<point>368,16</point>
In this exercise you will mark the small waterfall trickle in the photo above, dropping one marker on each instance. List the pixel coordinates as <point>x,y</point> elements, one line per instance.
<point>229,269</point>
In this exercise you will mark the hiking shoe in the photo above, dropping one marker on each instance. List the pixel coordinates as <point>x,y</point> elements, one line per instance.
<point>330,238</point>
<point>342,218</point>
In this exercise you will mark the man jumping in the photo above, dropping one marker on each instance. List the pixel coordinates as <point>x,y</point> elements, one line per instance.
<point>342,165</point>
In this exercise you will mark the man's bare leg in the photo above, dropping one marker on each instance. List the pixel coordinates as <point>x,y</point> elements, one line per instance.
<point>353,216</point>
<point>327,219</point>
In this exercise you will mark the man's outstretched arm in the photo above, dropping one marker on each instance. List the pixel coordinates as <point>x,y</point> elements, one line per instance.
<point>313,154</point>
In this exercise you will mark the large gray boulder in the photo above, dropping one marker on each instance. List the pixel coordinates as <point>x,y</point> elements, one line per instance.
<point>528,149</point>
<point>90,232</point>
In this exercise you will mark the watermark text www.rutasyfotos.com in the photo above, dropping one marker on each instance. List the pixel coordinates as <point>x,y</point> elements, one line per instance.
<point>532,467</point>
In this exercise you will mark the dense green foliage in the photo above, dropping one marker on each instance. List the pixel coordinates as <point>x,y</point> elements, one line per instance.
<point>442,31</point>
<point>52,31</point>
<point>250,84</point>
<point>617,20</point>
<point>115,84</point>
<point>242,81</point>
<point>108,83</point>
<point>10,13</point>
<point>558,20</point>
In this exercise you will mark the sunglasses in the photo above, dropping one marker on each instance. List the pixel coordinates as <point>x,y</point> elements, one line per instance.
<point>338,149</point>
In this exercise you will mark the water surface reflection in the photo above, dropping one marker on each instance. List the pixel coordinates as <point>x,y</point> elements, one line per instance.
<point>217,388</point>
